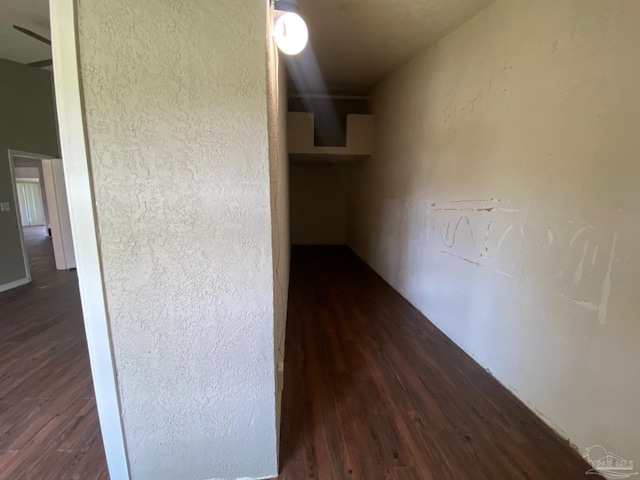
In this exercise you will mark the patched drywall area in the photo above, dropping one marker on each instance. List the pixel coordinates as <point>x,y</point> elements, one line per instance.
<point>279,175</point>
<point>319,203</point>
<point>501,200</point>
<point>28,124</point>
<point>176,111</point>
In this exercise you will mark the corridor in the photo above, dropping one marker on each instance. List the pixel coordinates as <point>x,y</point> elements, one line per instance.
<point>48,419</point>
<point>373,390</point>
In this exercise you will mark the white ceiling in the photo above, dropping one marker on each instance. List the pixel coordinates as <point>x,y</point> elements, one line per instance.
<point>355,43</point>
<point>31,14</point>
<point>352,43</point>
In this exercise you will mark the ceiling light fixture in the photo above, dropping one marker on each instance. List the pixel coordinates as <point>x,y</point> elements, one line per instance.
<point>290,31</point>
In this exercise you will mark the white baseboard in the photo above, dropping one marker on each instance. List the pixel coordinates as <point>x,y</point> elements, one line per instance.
<point>17,283</point>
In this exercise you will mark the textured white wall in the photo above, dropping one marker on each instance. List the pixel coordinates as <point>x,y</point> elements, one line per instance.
<point>279,175</point>
<point>175,103</point>
<point>319,194</point>
<point>502,200</point>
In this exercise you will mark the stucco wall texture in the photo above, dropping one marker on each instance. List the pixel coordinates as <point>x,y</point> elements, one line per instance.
<point>175,98</point>
<point>502,201</point>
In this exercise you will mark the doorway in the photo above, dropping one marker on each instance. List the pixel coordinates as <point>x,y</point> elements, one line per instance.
<point>41,206</point>
<point>49,426</point>
<point>30,201</point>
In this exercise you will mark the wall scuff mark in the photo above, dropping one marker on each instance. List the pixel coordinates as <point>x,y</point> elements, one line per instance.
<point>578,273</point>
<point>606,284</point>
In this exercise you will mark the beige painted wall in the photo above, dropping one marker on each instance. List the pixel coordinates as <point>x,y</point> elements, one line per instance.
<point>319,194</point>
<point>175,99</point>
<point>27,123</point>
<point>502,200</point>
<point>279,178</point>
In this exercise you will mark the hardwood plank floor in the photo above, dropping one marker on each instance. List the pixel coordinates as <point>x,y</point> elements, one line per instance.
<point>373,391</point>
<point>48,419</point>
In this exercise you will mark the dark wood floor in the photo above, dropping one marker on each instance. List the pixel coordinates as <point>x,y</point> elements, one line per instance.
<point>48,419</point>
<point>374,391</point>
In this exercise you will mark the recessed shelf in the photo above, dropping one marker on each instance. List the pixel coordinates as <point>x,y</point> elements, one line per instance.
<point>300,135</point>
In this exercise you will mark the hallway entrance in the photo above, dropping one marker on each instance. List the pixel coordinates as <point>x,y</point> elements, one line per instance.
<point>375,391</point>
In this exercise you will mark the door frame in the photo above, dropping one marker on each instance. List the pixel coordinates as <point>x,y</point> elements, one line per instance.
<point>59,217</point>
<point>34,156</point>
<point>80,196</point>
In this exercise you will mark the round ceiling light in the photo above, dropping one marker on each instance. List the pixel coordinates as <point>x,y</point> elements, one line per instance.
<point>291,33</point>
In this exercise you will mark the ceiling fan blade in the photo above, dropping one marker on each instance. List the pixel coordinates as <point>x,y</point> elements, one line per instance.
<point>41,63</point>
<point>26,31</point>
